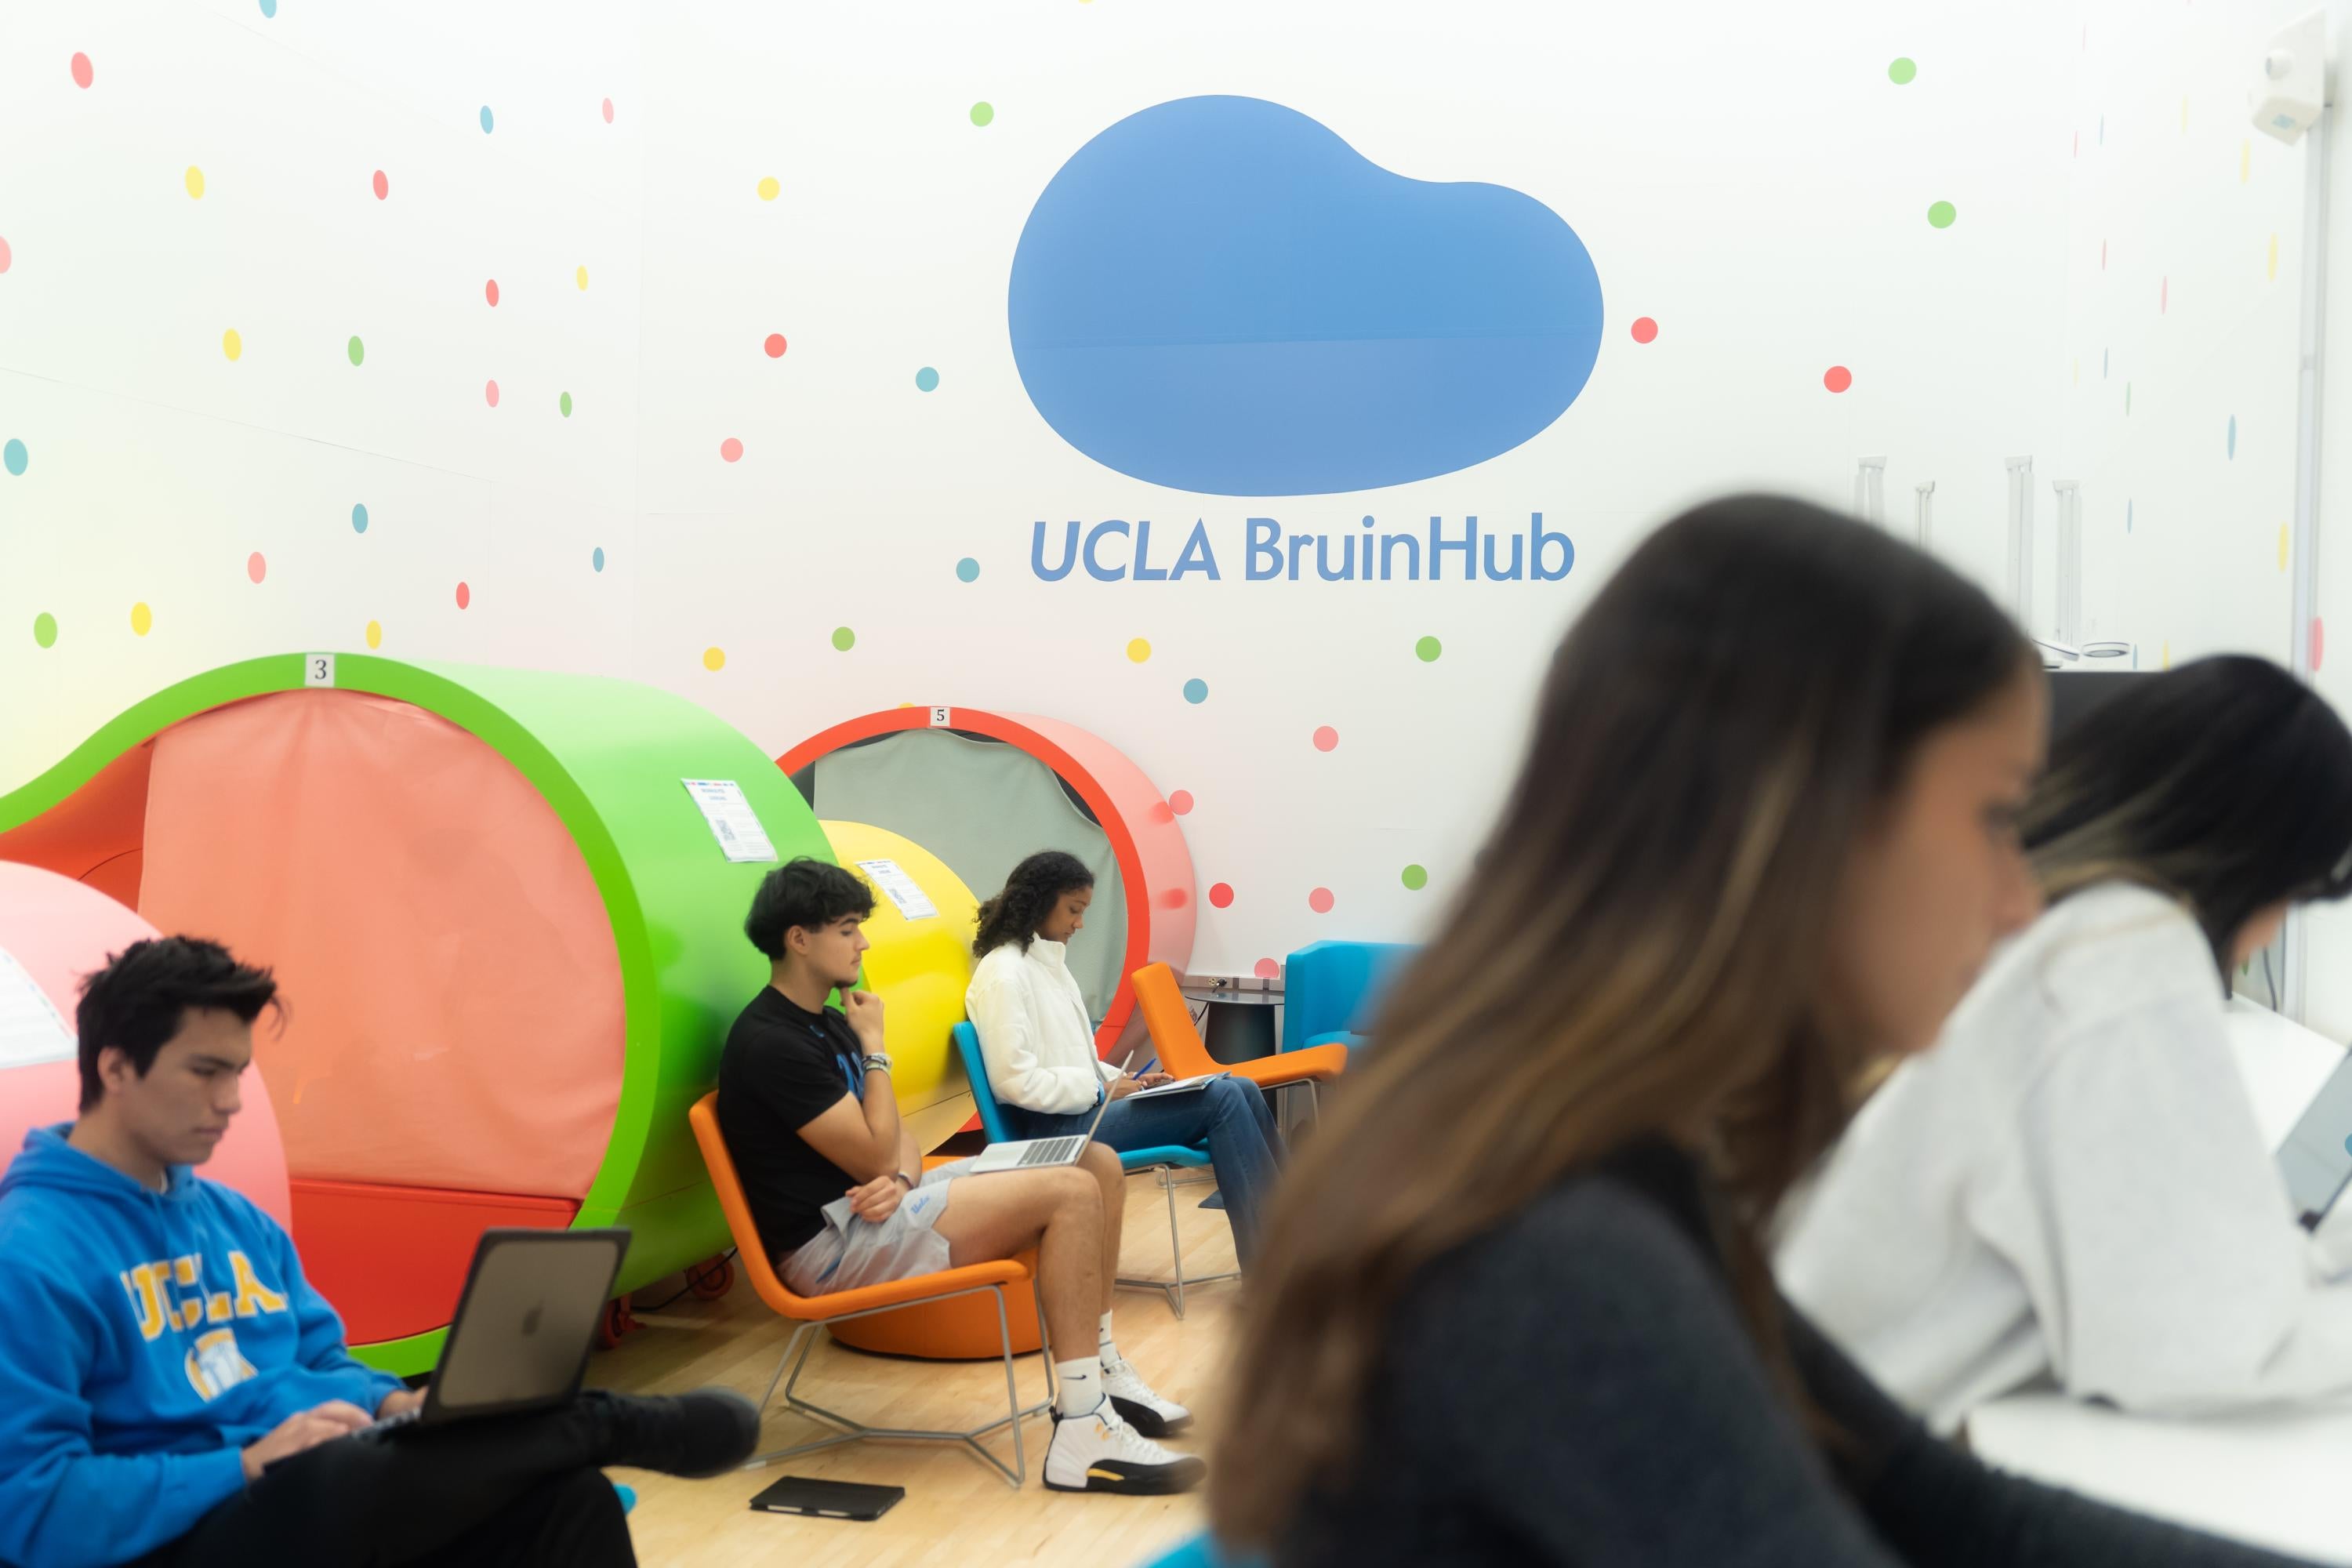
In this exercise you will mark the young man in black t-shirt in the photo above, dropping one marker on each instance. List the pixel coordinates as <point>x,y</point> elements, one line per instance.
<point>838,1190</point>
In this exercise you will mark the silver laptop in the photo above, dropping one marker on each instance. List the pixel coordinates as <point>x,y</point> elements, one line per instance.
<point>1038,1153</point>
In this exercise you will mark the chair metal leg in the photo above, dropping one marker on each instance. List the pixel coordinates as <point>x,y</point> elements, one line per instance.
<point>1173,1290</point>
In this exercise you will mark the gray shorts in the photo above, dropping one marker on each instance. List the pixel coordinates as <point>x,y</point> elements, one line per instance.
<point>849,1254</point>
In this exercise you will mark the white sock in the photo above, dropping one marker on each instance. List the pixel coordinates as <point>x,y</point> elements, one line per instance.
<point>1105,1350</point>
<point>1078,1386</point>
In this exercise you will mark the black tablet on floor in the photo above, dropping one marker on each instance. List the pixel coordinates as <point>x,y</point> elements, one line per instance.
<point>827,1499</point>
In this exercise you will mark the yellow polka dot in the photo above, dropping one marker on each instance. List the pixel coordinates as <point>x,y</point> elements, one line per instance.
<point>2245,159</point>
<point>2273,264</point>
<point>906,705</point>
<point>2168,657</point>
<point>581,277</point>
<point>232,345</point>
<point>714,658</point>
<point>375,634</point>
<point>141,619</point>
<point>770,189</point>
<point>195,178</point>
<point>1138,650</point>
<point>2282,547</point>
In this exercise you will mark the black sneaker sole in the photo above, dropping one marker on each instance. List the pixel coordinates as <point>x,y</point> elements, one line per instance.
<point>1150,1480</point>
<point>1147,1420</point>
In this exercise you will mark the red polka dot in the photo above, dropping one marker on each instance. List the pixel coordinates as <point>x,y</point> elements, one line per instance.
<point>4,255</point>
<point>81,71</point>
<point>1267,968</point>
<point>382,186</point>
<point>731,448</point>
<point>2319,644</point>
<point>1180,802</point>
<point>608,112</point>
<point>1320,901</point>
<point>254,566</point>
<point>1838,378</point>
<point>491,392</point>
<point>1326,738</point>
<point>465,595</point>
<point>1222,895</point>
<point>1174,899</point>
<point>775,346</point>
<point>1644,330</point>
<point>1160,812</point>
<point>490,292</point>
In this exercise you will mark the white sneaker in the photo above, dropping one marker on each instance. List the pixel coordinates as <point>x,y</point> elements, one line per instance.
<point>1145,1411</point>
<point>1101,1453</point>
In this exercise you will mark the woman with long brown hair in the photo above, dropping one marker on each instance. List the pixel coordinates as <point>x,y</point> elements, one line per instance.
<point>1513,1303</point>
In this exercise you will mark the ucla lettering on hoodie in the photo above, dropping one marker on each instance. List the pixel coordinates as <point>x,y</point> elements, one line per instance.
<point>154,1336</point>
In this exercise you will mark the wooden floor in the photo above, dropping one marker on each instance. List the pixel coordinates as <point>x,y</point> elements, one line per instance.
<point>956,1511</point>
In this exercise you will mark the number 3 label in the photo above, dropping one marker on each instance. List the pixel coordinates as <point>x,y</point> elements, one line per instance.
<point>319,669</point>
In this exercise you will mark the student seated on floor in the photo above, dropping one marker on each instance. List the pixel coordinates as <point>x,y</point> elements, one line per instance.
<point>1039,1045</point>
<point>173,1390</point>
<point>838,1190</point>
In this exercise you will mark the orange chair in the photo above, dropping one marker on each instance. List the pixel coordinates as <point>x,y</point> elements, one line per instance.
<point>811,1313</point>
<point>1183,1054</point>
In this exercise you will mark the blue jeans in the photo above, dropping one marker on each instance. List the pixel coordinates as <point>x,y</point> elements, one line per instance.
<point>1231,1114</point>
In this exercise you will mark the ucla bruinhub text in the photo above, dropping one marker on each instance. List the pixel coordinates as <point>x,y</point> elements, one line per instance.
<point>1115,551</point>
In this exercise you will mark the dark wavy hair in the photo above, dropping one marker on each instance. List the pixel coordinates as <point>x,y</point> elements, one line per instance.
<point>137,1002</point>
<point>1028,898</point>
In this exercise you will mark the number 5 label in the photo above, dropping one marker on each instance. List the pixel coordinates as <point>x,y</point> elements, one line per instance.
<point>939,718</point>
<point>318,669</point>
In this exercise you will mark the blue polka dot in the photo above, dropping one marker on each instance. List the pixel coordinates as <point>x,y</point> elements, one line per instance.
<point>359,520</point>
<point>13,454</point>
<point>926,379</point>
<point>2233,435</point>
<point>270,7</point>
<point>2103,362</point>
<point>1196,691</point>
<point>486,120</point>
<point>2127,517</point>
<point>597,559</point>
<point>967,570</point>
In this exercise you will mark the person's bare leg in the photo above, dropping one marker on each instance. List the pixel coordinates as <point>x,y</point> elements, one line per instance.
<point>1058,1212</point>
<point>1101,1161</point>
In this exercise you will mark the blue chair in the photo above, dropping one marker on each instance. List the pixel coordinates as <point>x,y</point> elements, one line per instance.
<point>1202,1552</point>
<point>1163,1162</point>
<point>1331,989</point>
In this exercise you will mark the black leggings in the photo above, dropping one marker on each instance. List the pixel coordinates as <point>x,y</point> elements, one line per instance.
<point>521,1489</point>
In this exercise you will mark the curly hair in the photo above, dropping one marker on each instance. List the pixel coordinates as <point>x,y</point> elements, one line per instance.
<point>1029,895</point>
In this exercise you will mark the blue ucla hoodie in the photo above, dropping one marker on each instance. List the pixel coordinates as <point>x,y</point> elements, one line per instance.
<point>149,1337</point>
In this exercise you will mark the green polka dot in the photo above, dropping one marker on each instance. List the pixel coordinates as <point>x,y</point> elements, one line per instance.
<point>1942,214</point>
<point>982,113</point>
<point>45,629</point>
<point>564,403</point>
<point>1427,649</point>
<point>1416,877</point>
<point>1902,70</point>
<point>357,349</point>
<point>844,638</point>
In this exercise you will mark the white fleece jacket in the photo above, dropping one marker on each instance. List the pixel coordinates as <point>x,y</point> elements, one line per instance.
<point>2071,1183</point>
<point>1034,1034</point>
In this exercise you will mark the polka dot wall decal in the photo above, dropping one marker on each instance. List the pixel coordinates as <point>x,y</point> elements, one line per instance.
<point>1267,968</point>
<point>2163,295</point>
<point>355,349</point>
<point>194,181</point>
<point>82,76</point>
<point>1320,901</point>
<point>465,595</point>
<point>44,625</point>
<point>1415,877</point>
<point>1326,738</point>
<point>487,120</point>
<point>14,456</point>
<point>268,10</point>
<point>2282,550</point>
<point>982,113</point>
<point>608,112</point>
<point>256,567</point>
<point>1837,378</point>
<point>1138,650</point>
<point>1902,70</point>
<point>967,569</point>
<point>714,658</point>
<point>2103,256</point>
<point>581,277</point>
<point>490,292</point>
<point>597,559</point>
<point>2318,644</point>
<point>143,619</point>
<point>375,634</point>
<point>382,187</point>
<point>1181,802</point>
<point>2128,398</point>
<point>1644,330</point>
<point>844,639</point>
<point>2270,267</point>
<point>1173,898</point>
<point>1221,895</point>
<point>926,379</point>
<point>232,345</point>
<point>1427,649</point>
<point>774,345</point>
<point>1941,214</point>
<point>2127,517</point>
<point>730,450</point>
<point>359,518</point>
<point>6,256</point>
<point>2232,448</point>
<point>491,392</point>
<point>2102,129</point>
<point>1196,690</point>
<point>2167,661</point>
<point>563,405</point>
<point>769,188</point>
<point>2103,364</point>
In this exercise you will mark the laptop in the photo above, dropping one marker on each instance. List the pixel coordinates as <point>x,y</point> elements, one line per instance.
<point>1039,1154</point>
<point>524,1327</point>
<point>2316,1158</point>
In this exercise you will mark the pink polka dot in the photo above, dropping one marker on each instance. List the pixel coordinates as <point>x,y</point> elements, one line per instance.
<point>1326,738</point>
<point>256,567</point>
<point>490,292</point>
<point>465,595</point>
<point>382,186</point>
<point>2319,644</point>
<point>1644,330</point>
<point>2103,256</point>
<point>1174,899</point>
<point>1221,895</point>
<point>775,346</point>
<point>4,256</point>
<point>81,71</point>
<point>608,112</point>
<point>1838,378</point>
<point>1267,968</point>
<point>731,448</point>
<point>491,392</point>
<point>1181,802</point>
<point>1320,901</point>
<point>2163,295</point>
<point>1160,811</point>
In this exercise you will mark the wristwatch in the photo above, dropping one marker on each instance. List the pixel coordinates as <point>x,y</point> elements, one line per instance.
<point>876,1062</point>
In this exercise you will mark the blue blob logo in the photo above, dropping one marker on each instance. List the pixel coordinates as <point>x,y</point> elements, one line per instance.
<point>1220,295</point>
